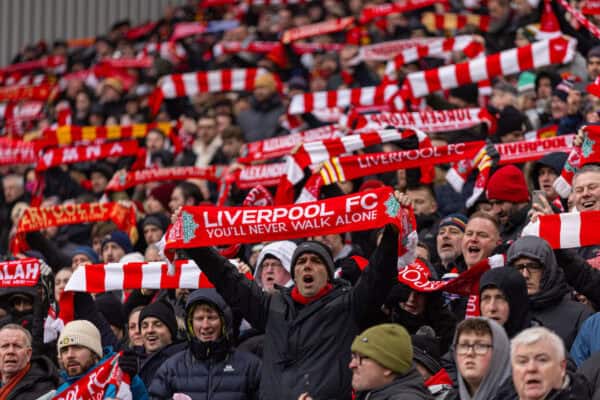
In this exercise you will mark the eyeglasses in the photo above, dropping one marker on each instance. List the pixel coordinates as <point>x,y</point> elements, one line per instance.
<point>480,349</point>
<point>529,266</point>
<point>359,358</point>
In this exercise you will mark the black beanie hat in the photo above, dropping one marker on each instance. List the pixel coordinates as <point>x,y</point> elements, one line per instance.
<point>318,248</point>
<point>162,311</point>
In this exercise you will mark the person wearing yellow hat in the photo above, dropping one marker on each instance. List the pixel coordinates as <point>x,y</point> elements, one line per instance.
<point>261,120</point>
<point>382,365</point>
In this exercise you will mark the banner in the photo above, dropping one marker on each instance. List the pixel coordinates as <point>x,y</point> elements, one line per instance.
<point>24,272</point>
<point>15,152</point>
<point>567,230</point>
<point>54,157</point>
<point>282,145</point>
<point>124,180</point>
<point>210,226</point>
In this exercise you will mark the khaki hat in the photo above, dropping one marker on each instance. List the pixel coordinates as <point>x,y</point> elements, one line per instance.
<point>387,344</point>
<point>267,81</point>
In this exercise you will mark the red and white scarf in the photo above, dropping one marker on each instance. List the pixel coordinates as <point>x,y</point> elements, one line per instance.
<point>579,17</point>
<point>100,278</point>
<point>17,152</point>
<point>95,383</point>
<point>320,28</point>
<point>193,83</point>
<point>465,44</point>
<point>385,51</point>
<point>567,230</point>
<point>261,174</point>
<point>125,180</point>
<point>454,22</point>
<point>208,226</point>
<point>282,145</point>
<point>508,62</point>
<point>351,167</point>
<point>363,96</point>
<point>53,157</point>
<point>185,29</point>
<point>17,93</point>
<point>588,152</point>
<point>173,52</point>
<point>427,121</point>
<point>262,47</point>
<point>316,152</point>
<point>23,272</point>
<point>139,62</point>
<point>48,62</point>
<point>18,79</point>
<point>369,13</point>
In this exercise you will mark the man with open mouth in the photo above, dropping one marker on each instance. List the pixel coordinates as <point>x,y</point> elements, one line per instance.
<point>309,327</point>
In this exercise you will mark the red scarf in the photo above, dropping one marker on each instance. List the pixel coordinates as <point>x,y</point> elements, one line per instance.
<point>10,385</point>
<point>299,298</point>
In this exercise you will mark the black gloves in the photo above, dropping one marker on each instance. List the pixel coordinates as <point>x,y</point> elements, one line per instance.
<point>128,362</point>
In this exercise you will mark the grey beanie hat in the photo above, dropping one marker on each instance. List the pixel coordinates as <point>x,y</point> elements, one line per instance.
<point>318,248</point>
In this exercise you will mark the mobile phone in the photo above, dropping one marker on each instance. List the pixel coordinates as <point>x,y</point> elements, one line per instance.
<point>537,196</point>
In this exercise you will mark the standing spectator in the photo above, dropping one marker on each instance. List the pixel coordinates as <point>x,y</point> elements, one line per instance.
<point>261,120</point>
<point>210,368</point>
<point>448,243</point>
<point>308,328</point>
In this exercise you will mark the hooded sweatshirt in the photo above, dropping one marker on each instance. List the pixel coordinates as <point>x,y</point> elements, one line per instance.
<point>512,284</point>
<point>283,251</point>
<point>498,371</point>
<point>550,305</point>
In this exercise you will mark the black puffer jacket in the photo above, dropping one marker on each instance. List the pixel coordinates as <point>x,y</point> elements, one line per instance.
<point>152,362</point>
<point>208,370</point>
<point>41,379</point>
<point>406,387</point>
<point>551,305</point>
<point>307,347</point>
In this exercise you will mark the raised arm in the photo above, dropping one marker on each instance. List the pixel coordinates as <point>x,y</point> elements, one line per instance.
<point>378,277</point>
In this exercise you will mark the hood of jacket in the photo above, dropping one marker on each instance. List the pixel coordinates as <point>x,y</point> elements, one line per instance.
<point>555,161</point>
<point>283,251</point>
<point>214,349</point>
<point>498,371</point>
<point>513,286</point>
<point>553,286</point>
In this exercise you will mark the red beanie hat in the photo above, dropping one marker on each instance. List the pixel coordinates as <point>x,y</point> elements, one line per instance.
<point>508,184</point>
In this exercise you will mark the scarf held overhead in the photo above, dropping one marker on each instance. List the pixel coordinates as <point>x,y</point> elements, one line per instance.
<point>209,226</point>
<point>567,230</point>
<point>539,54</point>
<point>100,278</point>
